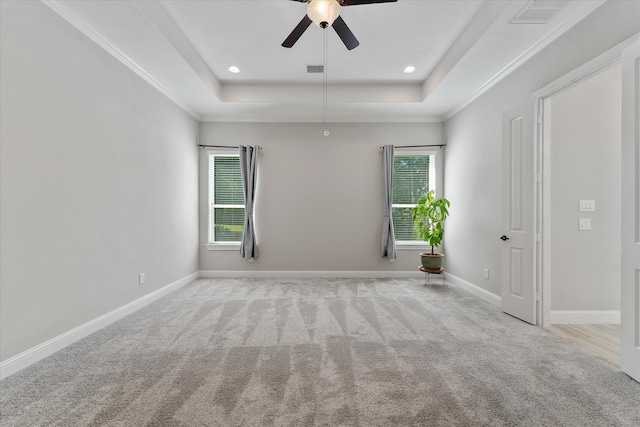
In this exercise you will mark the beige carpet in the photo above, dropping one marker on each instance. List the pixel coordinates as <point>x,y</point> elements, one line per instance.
<point>231,352</point>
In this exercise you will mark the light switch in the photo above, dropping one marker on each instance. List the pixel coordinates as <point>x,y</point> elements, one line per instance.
<point>587,205</point>
<point>585,223</point>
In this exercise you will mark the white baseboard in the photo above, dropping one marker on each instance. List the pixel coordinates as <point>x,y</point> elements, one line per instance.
<point>300,274</point>
<point>585,316</point>
<point>26,358</point>
<point>20,361</point>
<point>474,289</point>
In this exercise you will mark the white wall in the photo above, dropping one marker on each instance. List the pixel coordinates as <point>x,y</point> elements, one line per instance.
<point>319,201</point>
<point>99,181</point>
<point>585,164</point>
<point>473,159</point>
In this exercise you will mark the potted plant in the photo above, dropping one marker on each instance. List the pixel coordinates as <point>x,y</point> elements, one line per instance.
<point>428,217</point>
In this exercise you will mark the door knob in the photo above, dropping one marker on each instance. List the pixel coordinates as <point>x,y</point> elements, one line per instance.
<point>504,238</point>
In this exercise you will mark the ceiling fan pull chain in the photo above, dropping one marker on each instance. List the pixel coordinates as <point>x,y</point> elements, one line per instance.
<point>324,111</point>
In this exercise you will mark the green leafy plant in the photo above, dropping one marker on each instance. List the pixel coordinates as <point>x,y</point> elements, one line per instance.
<point>428,217</point>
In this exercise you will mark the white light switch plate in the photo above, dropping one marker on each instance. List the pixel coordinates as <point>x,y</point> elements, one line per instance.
<point>587,205</point>
<point>585,223</point>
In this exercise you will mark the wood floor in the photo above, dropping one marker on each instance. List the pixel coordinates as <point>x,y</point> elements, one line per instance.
<point>601,339</point>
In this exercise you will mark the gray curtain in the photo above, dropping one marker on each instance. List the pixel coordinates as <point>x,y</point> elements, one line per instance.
<point>388,236</point>
<point>249,167</point>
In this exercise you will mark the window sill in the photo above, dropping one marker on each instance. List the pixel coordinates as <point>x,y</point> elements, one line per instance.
<point>223,246</point>
<point>412,246</point>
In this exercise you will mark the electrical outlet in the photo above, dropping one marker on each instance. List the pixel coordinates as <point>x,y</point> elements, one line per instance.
<point>486,273</point>
<point>141,279</point>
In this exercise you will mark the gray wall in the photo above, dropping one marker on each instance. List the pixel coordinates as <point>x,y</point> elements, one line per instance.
<point>319,205</point>
<point>99,181</point>
<point>585,164</point>
<point>473,158</point>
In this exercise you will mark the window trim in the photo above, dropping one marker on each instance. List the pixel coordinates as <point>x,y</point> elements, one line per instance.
<point>223,246</point>
<point>212,245</point>
<point>435,179</point>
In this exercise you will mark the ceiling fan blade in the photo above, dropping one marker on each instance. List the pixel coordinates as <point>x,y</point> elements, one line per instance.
<point>297,32</point>
<point>357,2</point>
<point>347,37</point>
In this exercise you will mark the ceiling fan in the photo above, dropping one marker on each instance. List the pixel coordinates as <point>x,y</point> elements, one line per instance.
<point>327,12</point>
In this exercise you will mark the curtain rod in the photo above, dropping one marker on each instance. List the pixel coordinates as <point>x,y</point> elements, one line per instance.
<point>224,146</point>
<point>418,146</point>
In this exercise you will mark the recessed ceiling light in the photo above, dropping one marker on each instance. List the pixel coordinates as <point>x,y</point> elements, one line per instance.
<point>410,69</point>
<point>234,69</point>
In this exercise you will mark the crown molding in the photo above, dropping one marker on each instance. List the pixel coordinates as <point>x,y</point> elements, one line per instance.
<point>316,119</point>
<point>86,29</point>
<point>567,24</point>
<point>160,19</point>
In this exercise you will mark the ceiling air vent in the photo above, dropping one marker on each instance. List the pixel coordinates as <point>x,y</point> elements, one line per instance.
<point>315,69</point>
<point>539,11</point>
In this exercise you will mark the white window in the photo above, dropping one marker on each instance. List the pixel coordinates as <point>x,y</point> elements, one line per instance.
<point>226,200</point>
<point>413,177</point>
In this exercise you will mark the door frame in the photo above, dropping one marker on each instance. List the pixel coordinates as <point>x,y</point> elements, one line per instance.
<point>542,155</point>
<point>629,307</point>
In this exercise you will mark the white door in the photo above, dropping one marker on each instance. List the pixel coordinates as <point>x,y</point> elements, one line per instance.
<point>518,293</point>
<point>630,293</point>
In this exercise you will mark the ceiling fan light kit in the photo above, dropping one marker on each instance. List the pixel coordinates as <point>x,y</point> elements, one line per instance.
<point>325,13</point>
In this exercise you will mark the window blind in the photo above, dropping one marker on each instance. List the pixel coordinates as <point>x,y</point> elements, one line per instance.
<point>226,199</point>
<point>227,181</point>
<point>411,181</point>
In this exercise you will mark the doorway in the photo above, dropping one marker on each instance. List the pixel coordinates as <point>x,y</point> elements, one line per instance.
<point>581,168</point>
